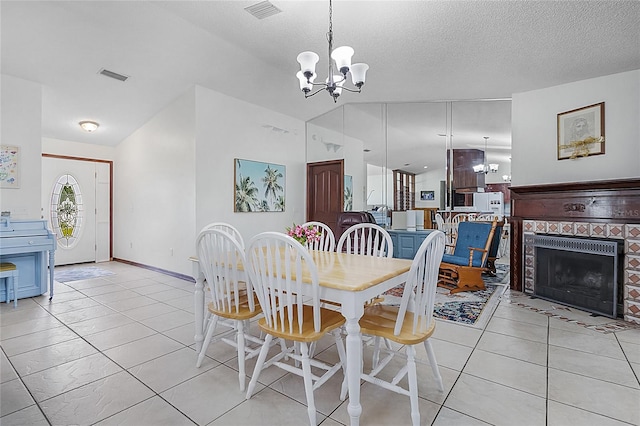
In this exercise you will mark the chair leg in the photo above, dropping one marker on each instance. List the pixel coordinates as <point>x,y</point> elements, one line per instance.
<point>241,354</point>
<point>308,383</point>
<point>259,363</point>
<point>14,284</point>
<point>434,365</point>
<point>412,377</point>
<point>207,340</point>
<point>376,352</point>
<point>343,360</point>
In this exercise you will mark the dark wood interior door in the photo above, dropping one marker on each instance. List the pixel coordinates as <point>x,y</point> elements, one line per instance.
<point>325,192</point>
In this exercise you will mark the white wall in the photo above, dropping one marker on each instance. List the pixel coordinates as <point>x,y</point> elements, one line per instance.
<point>227,128</point>
<point>20,125</point>
<point>77,149</point>
<point>154,190</point>
<point>429,181</point>
<point>534,131</point>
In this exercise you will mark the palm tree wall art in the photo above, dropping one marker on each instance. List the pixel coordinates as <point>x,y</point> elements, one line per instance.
<point>259,187</point>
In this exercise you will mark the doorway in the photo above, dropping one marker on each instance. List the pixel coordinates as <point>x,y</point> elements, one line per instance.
<point>325,192</point>
<point>76,202</point>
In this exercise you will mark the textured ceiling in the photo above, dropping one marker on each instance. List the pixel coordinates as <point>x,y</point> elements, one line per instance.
<point>417,51</point>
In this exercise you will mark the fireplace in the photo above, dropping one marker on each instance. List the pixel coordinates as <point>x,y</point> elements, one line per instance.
<point>600,210</point>
<point>580,272</point>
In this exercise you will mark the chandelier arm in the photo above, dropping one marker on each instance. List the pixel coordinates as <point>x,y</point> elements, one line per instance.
<point>306,95</point>
<point>351,90</point>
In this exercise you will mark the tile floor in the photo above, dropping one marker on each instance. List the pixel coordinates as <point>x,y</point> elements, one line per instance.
<point>119,350</point>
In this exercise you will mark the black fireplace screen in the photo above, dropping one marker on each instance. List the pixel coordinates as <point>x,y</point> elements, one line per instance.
<point>578,272</point>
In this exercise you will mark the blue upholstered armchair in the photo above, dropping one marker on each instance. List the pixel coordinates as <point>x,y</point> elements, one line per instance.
<point>462,270</point>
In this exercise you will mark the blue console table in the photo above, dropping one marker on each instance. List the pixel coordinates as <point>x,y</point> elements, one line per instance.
<point>406,243</point>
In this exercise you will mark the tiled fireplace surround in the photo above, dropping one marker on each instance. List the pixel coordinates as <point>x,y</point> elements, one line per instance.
<point>601,209</point>
<point>630,233</point>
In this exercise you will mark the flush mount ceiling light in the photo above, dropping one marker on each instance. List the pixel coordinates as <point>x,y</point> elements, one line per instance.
<point>486,167</point>
<point>334,82</point>
<point>89,126</point>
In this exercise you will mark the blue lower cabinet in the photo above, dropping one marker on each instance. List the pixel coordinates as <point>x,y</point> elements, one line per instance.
<point>407,243</point>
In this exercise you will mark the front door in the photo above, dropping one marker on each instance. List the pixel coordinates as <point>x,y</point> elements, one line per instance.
<point>325,192</point>
<point>75,202</point>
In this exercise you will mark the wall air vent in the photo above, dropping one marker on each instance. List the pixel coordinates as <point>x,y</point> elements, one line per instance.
<point>262,10</point>
<point>112,74</point>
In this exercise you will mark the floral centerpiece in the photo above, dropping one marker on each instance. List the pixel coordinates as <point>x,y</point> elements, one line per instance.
<point>304,234</point>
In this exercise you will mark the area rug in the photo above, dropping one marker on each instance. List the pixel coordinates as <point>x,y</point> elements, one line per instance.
<point>470,308</point>
<point>81,273</point>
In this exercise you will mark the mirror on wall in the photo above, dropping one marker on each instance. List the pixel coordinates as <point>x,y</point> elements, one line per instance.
<point>416,155</point>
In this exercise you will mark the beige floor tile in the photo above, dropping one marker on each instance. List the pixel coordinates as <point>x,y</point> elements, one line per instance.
<point>521,375</point>
<point>22,315</point>
<point>494,403</point>
<point>103,289</point>
<point>608,399</point>
<point>152,412</point>
<point>515,313</point>
<point>108,298</point>
<point>119,336</point>
<point>451,355</point>
<point>169,370</point>
<point>594,344</point>
<point>169,320</point>
<point>131,303</point>
<point>71,375</point>
<point>631,351</point>
<point>7,372</point>
<point>631,335</point>
<point>169,293</point>
<point>185,303</point>
<point>266,404</point>
<point>455,333</point>
<point>51,356</point>
<point>143,350</point>
<point>24,305</point>
<point>448,417</point>
<point>184,334</point>
<point>580,328</point>
<point>591,365</point>
<point>72,305</point>
<point>40,339</point>
<point>91,283</point>
<point>522,330</point>
<point>103,323</point>
<point>85,314</point>
<point>31,416</point>
<point>14,397</point>
<point>149,311</point>
<point>209,395</point>
<point>562,415</point>
<point>28,327</point>
<point>514,347</point>
<point>383,407</point>
<point>96,401</point>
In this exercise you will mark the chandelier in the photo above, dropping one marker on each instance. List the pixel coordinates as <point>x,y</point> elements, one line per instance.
<point>486,167</point>
<point>334,84</point>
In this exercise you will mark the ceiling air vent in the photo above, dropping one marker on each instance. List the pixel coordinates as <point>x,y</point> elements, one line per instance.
<point>262,10</point>
<point>112,74</point>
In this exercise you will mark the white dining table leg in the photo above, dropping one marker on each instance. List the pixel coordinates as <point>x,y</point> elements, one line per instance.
<point>353,312</point>
<point>199,306</point>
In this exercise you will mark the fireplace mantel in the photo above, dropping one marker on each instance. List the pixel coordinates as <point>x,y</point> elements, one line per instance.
<point>609,209</point>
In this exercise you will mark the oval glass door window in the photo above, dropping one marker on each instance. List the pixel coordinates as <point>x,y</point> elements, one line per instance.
<point>67,211</point>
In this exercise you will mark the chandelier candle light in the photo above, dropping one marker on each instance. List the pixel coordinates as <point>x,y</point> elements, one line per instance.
<point>334,82</point>
<point>486,167</point>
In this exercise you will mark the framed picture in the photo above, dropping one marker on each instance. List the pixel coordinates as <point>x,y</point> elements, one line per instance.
<point>581,132</point>
<point>258,187</point>
<point>427,195</point>
<point>9,166</point>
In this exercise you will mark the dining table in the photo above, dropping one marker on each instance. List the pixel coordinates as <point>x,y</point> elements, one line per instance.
<point>348,280</point>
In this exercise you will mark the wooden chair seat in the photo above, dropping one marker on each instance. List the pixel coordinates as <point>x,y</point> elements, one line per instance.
<point>380,320</point>
<point>330,320</point>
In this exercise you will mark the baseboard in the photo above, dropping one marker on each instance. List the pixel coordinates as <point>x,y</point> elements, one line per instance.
<point>153,268</point>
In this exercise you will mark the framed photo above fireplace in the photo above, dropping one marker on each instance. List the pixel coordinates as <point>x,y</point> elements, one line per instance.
<point>581,132</point>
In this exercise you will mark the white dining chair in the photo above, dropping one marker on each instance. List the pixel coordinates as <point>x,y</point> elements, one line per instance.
<point>366,239</point>
<point>327,241</point>
<point>228,228</point>
<point>408,325</point>
<point>285,279</point>
<point>233,302</point>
